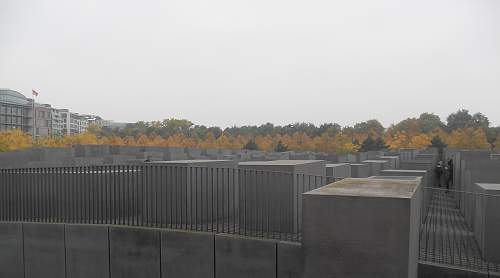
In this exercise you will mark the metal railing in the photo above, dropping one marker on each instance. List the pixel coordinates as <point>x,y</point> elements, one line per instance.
<point>459,233</point>
<point>222,200</point>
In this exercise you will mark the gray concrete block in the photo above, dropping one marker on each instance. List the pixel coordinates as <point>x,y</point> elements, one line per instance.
<point>87,251</point>
<point>307,167</point>
<point>134,252</point>
<point>362,228</point>
<point>337,171</point>
<point>392,160</point>
<point>359,170</point>
<point>278,189</point>
<point>376,166</point>
<point>487,220</point>
<point>242,257</point>
<point>187,254</point>
<point>44,250</point>
<point>11,250</point>
<point>290,260</point>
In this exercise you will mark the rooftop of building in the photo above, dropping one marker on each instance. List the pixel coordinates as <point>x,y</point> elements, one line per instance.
<point>13,97</point>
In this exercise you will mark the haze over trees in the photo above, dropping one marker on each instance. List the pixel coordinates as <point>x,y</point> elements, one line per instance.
<point>461,130</point>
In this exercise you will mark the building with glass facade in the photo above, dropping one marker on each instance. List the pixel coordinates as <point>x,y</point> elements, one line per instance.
<point>16,112</point>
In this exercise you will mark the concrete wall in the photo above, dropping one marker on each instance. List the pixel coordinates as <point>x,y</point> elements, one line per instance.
<point>487,220</point>
<point>134,252</point>
<point>11,250</point>
<point>44,251</point>
<point>103,251</point>
<point>187,254</point>
<point>87,251</point>
<point>244,257</point>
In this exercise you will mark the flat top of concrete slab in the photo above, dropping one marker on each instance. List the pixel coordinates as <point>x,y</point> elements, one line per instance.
<point>280,162</point>
<point>357,164</point>
<point>374,161</point>
<point>336,164</point>
<point>395,177</point>
<point>421,161</point>
<point>385,188</point>
<point>194,161</point>
<point>489,186</point>
<point>404,171</point>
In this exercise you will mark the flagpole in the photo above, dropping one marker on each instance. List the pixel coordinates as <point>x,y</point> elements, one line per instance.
<point>34,116</point>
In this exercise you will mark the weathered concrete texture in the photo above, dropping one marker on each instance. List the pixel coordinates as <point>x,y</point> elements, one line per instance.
<point>187,254</point>
<point>360,170</point>
<point>373,155</point>
<point>11,250</point>
<point>304,175</point>
<point>347,158</point>
<point>338,170</point>
<point>308,167</point>
<point>407,154</point>
<point>242,257</point>
<point>290,260</point>
<point>44,250</point>
<point>392,160</point>
<point>134,252</point>
<point>376,166</point>
<point>362,228</point>
<point>476,168</point>
<point>87,251</point>
<point>487,220</point>
<point>407,173</point>
<point>426,165</point>
<point>414,173</point>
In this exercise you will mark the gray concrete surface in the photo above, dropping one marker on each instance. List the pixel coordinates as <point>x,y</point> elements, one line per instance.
<point>187,254</point>
<point>359,170</point>
<point>44,255</point>
<point>338,170</point>
<point>87,251</point>
<point>11,250</point>
<point>362,228</point>
<point>134,252</point>
<point>290,260</point>
<point>240,257</point>
<point>392,160</point>
<point>376,166</point>
<point>487,220</point>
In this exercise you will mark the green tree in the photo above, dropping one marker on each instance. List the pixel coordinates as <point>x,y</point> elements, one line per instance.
<point>280,147</point>
<point>251,145</point>
<point>429,122</point>
<point>463,119</point>
<point>371,144</point>
<point>438,143</point>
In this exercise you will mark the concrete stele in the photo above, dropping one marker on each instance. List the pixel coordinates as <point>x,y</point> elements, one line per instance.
<point>362,228</point>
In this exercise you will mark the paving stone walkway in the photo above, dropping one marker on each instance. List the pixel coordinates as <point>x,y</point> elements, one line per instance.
<point>446,239</point>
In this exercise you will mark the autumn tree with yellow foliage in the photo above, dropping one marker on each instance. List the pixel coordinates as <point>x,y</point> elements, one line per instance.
<point>462,130</point>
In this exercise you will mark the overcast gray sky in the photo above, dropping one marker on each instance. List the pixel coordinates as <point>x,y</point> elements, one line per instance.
<point>232,62</point>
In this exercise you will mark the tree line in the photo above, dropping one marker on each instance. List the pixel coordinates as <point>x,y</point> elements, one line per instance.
<point>461,130</point>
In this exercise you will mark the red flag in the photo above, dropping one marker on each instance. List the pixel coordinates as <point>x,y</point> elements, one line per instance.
<point>35,93</point>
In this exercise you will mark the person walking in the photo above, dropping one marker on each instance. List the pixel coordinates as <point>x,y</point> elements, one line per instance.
<point>439,172</point>
<point>449,181</point>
